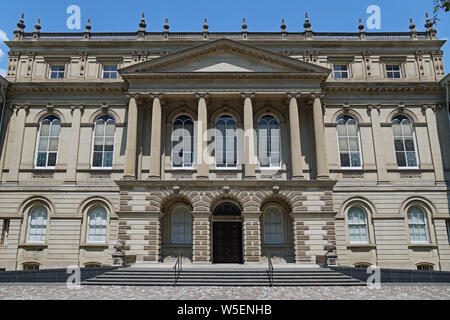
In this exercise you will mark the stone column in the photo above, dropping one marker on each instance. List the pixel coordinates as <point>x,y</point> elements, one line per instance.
<point>202,145</point>
<point>201,238</point>
<point>17,138</point>
<point>433,137</point>
<point>378,144</point>
<point>249,137</point>
<point>294,124</point>
<point>319,134</point>
<point>155,145</point>
<point>252,237</point>
<point>130,156</point>
<point>71,174</point>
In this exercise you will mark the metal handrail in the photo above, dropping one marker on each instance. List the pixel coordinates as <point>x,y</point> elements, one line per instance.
<point>178,267</point>
<point>270,269</point>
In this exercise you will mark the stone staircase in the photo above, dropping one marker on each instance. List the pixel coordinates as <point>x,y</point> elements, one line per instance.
<point>224,277</point>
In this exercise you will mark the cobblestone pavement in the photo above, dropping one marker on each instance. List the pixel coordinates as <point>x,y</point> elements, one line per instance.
<point>61,292</point>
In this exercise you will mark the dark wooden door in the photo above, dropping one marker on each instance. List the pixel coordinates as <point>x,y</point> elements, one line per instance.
<point>227,242</point>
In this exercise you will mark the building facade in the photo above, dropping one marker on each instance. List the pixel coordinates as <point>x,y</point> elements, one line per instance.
<point>227,146</point>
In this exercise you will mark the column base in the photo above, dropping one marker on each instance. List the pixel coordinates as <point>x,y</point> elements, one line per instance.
<point>128,177</point>
<point>298,178</point>
<point>323,178</point>
<point>154,178</point>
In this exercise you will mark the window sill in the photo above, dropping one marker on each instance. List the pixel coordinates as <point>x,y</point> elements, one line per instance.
<point>361,246</point>
<point>422,246</point>
<point>94,245</point>
<point>33,245</point>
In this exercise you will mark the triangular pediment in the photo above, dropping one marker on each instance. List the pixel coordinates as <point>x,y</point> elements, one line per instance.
<point>224,56</point>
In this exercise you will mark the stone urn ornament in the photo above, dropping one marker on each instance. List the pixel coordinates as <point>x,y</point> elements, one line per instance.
<point>330,255</point>
<point>119,255</point>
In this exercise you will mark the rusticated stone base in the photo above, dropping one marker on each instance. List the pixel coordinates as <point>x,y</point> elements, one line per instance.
<point>201,238</point>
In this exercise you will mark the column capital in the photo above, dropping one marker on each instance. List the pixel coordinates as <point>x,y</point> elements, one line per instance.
<point>134,95</point>
<point>245,95</point>
<point>156,95</point>
<point>204,95</point>
<point>317,95</point>
<point>371,107</point>
<point>77,106</point>
<point>291,95</point>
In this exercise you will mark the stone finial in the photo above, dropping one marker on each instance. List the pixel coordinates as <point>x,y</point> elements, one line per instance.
<point>20,24</point>
<point>37,26</point>
<point>429,23</point>
<point>88,26</point>
<point>307,23</point>
<point>283,26</point>
<point>142,24</point>
<point>360,26</point>
<point>166,26</point>
<point>244,25</point>
<point>205,25</point>
<point>412,26</point>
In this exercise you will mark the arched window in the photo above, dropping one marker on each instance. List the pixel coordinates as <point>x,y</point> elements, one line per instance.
<point>404,142</point>
<point>348,142</point>
<point>268,142</point>
<point>417,222</point>
<point>47,146</point>
<point>273,226</point>
<point>103,149</point>
<point>226,142</point>
<point>37,224</point>
<point>357,225</point>
<point>181,226</point>
<point>183,142</point>
<point>97,220</point>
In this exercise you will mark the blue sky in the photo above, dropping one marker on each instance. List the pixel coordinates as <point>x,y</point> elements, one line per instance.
<point>226,15</point>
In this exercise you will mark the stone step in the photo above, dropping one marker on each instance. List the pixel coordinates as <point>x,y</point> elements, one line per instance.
<point>221,284</point>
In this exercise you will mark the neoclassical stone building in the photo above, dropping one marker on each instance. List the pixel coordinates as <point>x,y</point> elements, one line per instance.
<point>227,145</point>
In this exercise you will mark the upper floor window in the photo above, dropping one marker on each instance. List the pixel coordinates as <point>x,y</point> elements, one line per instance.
<point>181,226</point>
<point>357,225</point>
<point>57,71</point>
<point>183,142</point>
<point>97,220</point>
<point>417,222</point>
<point>103,150</point>
<point>340,71</point>
<point>37,224</point>
<point>269,142</point>
<point>48,140</point>
<point>393,71</point>
<point>110,72</point>
<point>226,142</point>
<point>404,142</point>
<point>348,142</point>
<point>273,226</point>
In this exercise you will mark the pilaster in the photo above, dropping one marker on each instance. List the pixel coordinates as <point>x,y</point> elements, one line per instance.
<point>201,238</point>
<point>252,237</point>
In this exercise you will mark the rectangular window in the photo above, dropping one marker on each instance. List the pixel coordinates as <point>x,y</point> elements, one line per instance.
<point>57,72</point>
<point>109,72</point>
<point>393,71</point>
<point>5,232</point>
<point>340,71</point>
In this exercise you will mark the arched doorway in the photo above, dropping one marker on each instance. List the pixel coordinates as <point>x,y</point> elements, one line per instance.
<point>227,233</point>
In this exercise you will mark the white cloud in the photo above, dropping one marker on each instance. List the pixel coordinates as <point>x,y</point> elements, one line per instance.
<point>3,72</point>
<point>3,36</point>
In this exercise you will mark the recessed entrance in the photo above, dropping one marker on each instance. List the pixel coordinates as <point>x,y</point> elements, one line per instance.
<point>227,233</point>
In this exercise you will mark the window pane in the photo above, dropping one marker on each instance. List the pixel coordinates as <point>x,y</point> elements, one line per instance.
<point>53,144</point>
<point>345,160</point>
<point>97,159</point>
<point>411,159</point>
<point>43,144</point>
<point>398,144</point>
<point>355,159</point>
<point>354,146</point>
<point>51,159</point>
<point>343,144</point>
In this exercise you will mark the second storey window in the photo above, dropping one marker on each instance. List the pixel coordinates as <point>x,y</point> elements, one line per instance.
<point>226,142</point>
<point>404,142</point>
<point>37,224</point>
<point>183,142</point>
<point>340,71</point>
<point>97,220</point>
<point>57,71</point>
<point>109,72</point>
<point>417,222</point>
<point>47,146</point>
<point>348,142</point>
<point>268,142</point>
<point>103,150</point>
<point>357,225</point>
<point>393,71</point>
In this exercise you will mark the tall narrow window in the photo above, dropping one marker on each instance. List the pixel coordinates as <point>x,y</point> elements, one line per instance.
<point>357,225</point>
<point>404,142</point>
<point>348,142</point>
<point>181,226</point>
<point>109,72</point>
<point>57,72</point>
<point>417,222</point>
<point>47,148</point>
<point>37,224</point>
<point>226,142</point>
<point>183,142</point>
<point>269,142</point>
<point>273,226</point>
<point>97,220</point>
<point>5,232</point>
<point>103,151</point>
